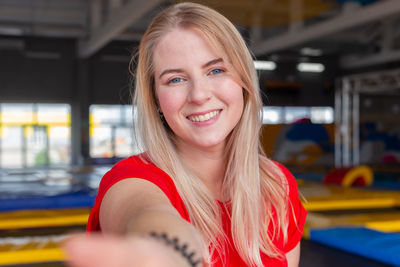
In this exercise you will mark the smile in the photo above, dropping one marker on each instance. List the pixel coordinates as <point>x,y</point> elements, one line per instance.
<point>204,117</point>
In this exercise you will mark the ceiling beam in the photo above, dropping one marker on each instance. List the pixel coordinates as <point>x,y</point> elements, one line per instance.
<point>341,22</point>
<point>42,16</point>
<point>296,15</point>
<point>95,14</point>
<point>116,23</point>
<point>256,28</point>
<point>352,62</point>
<point>42,30</point>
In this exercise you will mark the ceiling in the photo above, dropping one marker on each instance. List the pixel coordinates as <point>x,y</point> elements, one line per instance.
<point>360,32</point>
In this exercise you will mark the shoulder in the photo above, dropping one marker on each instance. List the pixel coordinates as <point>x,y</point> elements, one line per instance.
<point>285,179</point>
<point>285,171</point>
<point>137,164</point>
<point>290,179</point>
<point>278,172</point>
<point>136,167</point>
<point>140,167</point>
<point>289,182</point>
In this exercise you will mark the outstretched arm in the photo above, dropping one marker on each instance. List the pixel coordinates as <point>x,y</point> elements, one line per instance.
<point>130,211</point>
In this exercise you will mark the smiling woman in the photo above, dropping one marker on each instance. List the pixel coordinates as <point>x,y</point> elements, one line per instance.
<point>199,95</point>
<point>202,193</point>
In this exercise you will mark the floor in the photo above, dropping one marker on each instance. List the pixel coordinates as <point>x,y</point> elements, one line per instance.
<point>312,255</point>
<point>317,255</point>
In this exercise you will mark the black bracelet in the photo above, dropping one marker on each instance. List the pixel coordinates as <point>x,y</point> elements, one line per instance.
<point>182,249</point>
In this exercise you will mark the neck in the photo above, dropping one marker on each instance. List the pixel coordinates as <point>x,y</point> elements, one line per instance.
<point>208,164</point>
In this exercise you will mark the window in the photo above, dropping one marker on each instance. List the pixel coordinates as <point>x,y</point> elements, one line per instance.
<point>276,115</point>
<point>111,133</point>
<point>34,135</point>
<point>322,115</point>
<point>272,115</point>
<point>293,114</point>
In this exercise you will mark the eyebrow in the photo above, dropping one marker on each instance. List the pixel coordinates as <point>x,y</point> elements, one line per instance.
<point>209,63</point>
<point>212,62</point>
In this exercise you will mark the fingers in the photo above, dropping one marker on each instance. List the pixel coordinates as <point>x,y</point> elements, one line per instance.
<point>96,251</point>
<point>113,251</point>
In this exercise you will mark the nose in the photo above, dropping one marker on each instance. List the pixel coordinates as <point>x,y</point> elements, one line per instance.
<point>199,92</point>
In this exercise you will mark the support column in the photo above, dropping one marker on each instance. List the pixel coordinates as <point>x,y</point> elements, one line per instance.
<point>1,135</point>
<point>80,115</point>
<point>346,122</point>
<point>338,124</point>
<point>356,125</point>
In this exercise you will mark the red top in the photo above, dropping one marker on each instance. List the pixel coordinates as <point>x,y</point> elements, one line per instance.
<point>133,167</point>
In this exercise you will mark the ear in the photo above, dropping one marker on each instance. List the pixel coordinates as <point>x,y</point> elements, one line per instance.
<point>160,112</point>
<point>244,92</point>
<point>158,106</point>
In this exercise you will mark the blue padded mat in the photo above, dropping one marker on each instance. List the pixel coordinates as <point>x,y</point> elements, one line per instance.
<point>69,200</point>
<point>380,246</point>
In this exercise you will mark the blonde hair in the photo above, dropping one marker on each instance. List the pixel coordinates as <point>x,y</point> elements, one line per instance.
<point>253,183</point>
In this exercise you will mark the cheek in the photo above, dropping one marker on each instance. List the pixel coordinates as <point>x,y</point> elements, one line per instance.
<point>170,101</point>
<point>232,94</point>
<point>238,102</point>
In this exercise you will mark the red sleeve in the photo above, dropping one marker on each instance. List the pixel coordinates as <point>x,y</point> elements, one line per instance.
<point>297,213</point>
<point>134,167</point>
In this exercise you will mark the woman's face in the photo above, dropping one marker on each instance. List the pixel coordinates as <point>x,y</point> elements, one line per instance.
<point>199,94</point>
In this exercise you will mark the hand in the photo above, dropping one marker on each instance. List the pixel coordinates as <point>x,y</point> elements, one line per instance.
<point>112,251</point>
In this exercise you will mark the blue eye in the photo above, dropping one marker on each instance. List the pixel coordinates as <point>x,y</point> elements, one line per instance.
<point>175,80</point>
<point>216,71</point>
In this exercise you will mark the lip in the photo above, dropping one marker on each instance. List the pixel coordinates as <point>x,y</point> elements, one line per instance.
<point>203,112</point>
<point>205,123</point>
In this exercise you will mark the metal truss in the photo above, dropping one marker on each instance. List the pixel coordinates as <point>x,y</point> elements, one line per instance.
<point>347,110</point>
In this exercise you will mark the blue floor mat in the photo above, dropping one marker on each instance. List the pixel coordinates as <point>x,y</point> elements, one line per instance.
<point>69,200</point>
<point>380,246</point>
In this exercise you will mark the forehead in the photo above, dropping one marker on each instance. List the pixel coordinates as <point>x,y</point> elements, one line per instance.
<point>183,46</point>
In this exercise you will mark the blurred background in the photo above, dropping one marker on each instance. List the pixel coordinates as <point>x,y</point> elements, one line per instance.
<point>329,74</point>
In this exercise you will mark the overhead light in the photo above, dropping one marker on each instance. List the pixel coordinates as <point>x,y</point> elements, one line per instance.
<point>264,65</point>
<point>310,67</point>
<point>308,51</point>
<point>14,31</point>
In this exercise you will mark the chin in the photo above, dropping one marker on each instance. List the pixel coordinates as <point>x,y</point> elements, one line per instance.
<point>210,143</point>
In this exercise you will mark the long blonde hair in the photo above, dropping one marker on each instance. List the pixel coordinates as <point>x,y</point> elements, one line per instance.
<point>253,183</point>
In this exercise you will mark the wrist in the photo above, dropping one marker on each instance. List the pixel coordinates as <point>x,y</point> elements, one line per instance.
<point>190,256</point>
<point>149,251</point>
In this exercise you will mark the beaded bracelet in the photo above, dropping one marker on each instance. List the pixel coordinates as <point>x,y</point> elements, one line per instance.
<point>182,249</point>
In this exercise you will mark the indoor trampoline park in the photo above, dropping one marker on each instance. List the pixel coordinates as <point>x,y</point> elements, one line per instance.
<point>328,73</point>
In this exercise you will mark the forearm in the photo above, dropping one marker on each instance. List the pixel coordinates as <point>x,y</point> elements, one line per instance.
<point>162,221</point>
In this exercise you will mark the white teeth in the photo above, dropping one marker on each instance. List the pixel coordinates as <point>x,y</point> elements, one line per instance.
<point>204,117</point>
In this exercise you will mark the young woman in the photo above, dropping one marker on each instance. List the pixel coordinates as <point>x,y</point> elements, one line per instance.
<point>202,193</point>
